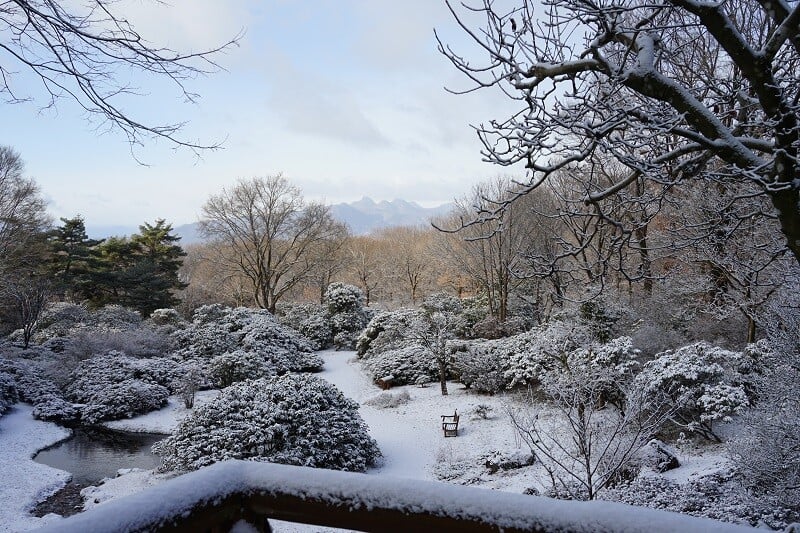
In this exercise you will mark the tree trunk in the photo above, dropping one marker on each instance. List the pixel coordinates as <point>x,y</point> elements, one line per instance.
<point>787,203</point>
<point>751,330</point>
<point>443,375</point>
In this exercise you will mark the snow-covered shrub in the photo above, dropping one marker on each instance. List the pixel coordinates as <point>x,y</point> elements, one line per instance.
<point>140,341</point>
<point>228,368</point>
<point>116,367</point>
<point>599,317</point>
<point>715,496</point>
<point>387,400</point>
<point>122,400</point>
<point>473,310</point>
<point>59,318</point>
<point>492,328</point>
<point>702,381</point>
<point>31,384</point>
<point>115,317</point>
<point>513,460</point>
<point>408,365</point>
<point>341,298</point>
<point>292,419</point>
<point>54,408</point>
<point>311,321</point>
<point>317,329</point>
<point>114,385</point>
<point>442,302</point>
<point>63,319</point>
<point>166,317</point>
<point>764,450</point>
<point>387,330</point>
<point>455,466</point>
<point>190,379</point>
<point>8,392</point>
<point>34,387</point>
<point>494,365</point>
<point>216,330</point>
<point>479,369</point>
<point>345,312</point>
<point>482,411</point>
<point>610,366</point>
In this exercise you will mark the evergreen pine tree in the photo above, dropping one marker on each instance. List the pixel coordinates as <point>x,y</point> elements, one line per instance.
<point>73,257</point>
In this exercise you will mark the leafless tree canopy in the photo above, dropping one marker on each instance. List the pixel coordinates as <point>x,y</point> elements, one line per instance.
<point>89,52</point>
<point>680,93</point>
<point>266,233</point>
<point>22,210</point>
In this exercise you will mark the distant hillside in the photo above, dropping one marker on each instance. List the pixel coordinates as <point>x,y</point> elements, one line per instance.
<point>362,216</point>
<point>189,234</point>
<point>366,215</point>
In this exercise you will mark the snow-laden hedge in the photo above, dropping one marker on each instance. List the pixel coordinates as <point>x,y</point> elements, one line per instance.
<point>226,369</point>
<point>310,321</point>
<point>295,419</point>
<point>35,388</point>
<point>114,385</point>
<point>345,312</point>
<point>410,365</point>
<point>63,319</point>
<point>387,330</point>
<point>706,384</point>
<point>718,496</point>
<point>216,330</point>
<point>495,365</point>
<point>8,391</point>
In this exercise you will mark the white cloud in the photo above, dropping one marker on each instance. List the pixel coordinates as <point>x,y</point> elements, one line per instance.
<point>313,105</point>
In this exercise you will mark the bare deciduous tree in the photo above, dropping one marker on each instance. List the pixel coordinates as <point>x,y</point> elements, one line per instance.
<point>23,221</point>
<point>490,252</point>
<point>676,91</point>
<point>24,298</point>
<point>585,444</point>
<point>266,232</point>
<point>22,210</point>
<point>408,261</point>
<point>89,52</point>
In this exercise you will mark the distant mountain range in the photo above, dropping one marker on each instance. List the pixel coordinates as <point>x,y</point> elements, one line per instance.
<point>362,216</point>
<point>366,215</point>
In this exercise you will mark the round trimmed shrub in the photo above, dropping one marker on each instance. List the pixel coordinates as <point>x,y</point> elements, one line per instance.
<point>295,419</point>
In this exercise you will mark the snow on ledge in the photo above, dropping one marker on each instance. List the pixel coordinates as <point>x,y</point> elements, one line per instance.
<point>157,506</point>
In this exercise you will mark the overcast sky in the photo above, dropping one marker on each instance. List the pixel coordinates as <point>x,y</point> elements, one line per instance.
<point>346,98</point>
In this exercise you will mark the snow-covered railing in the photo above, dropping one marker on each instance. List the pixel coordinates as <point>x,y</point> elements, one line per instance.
<point>216,497</point>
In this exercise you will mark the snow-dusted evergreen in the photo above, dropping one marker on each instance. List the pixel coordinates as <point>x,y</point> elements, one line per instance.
<point>217,330</point>
<point>113,385</point>
<point>293,419</point>
<point>8,392</point>
<point>705,383</point>
<point>345,308</point>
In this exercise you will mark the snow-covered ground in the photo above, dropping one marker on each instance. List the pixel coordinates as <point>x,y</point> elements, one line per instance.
<point>24,482</point>
<point>409,435</point>
<point>164,420</point>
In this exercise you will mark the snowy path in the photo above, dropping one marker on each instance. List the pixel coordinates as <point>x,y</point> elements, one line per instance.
<point>410,435</point>
<point>23,481</point>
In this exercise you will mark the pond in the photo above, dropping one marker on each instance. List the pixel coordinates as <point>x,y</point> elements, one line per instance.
<point>94,453</point>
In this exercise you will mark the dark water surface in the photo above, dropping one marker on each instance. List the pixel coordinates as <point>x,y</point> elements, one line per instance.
<point>94,453</point>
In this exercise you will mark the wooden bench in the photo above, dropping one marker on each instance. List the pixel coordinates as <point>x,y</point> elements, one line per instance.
<point>450,424</point>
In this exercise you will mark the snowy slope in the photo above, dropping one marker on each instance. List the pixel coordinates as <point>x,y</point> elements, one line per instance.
<point>23,482</point>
